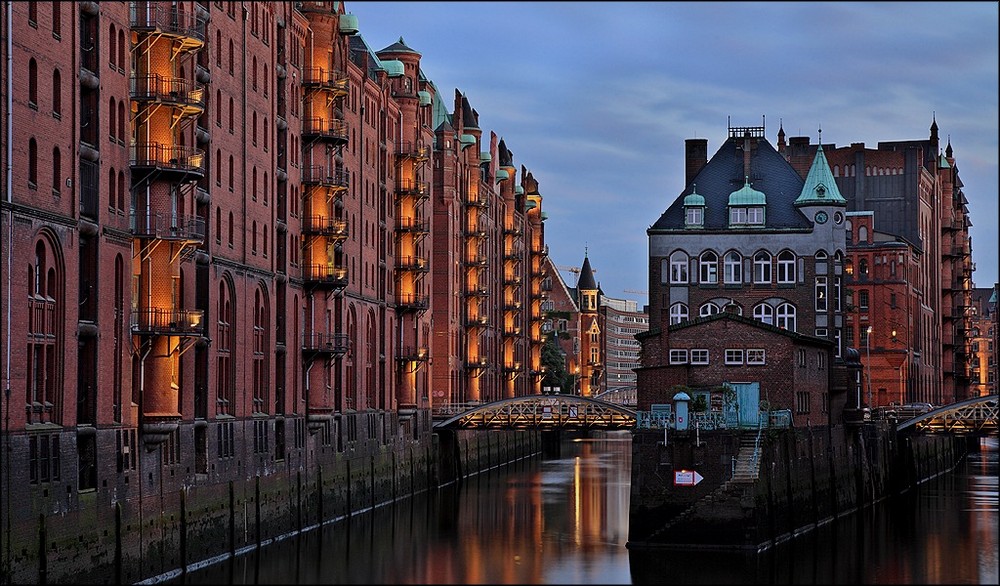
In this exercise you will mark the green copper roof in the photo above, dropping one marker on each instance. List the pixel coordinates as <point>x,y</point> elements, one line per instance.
<point>693,199</point>
<point>394,67</point>
<point>943,162</point>
<point>820,187</point>
<point>747,195</point>
<point>441,114</point>
<point>425,98</point>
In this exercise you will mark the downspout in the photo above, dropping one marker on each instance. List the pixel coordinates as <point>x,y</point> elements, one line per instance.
<point>10,245</point>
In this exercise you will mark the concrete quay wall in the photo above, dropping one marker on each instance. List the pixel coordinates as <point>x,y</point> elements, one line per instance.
<point>806,477</point>
<point>155,520</point>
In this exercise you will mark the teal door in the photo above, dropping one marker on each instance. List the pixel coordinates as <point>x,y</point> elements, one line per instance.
<point>747,403</point>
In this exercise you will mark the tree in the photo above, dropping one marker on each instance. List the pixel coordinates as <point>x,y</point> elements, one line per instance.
<point>554,363</point>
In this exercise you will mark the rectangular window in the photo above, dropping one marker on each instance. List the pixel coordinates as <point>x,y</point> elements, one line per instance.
<point>678,357</point>
<point>821,360</point>
<point>755,356</point>
<point>836,293</point>
<point>734,356</point>
<point>802,402</point>
<point>755,215</point>
<point>802,357</point>
<point>863,300</point>
<point>821,298</point>
<point>694,216</point>
<point>737,215</point>
<point>699,356</point>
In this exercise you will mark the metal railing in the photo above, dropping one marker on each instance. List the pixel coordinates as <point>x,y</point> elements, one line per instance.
<point>164,156</point>
<point>167,89</point>
<point>167,226</point>
<point>156,320</point>
<point>167,18</point>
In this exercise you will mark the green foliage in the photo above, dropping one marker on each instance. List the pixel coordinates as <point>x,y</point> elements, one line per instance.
<point>699,404</point>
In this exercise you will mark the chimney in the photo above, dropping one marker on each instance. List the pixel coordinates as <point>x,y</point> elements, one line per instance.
<point>746,154</point>
<point>695,157</point>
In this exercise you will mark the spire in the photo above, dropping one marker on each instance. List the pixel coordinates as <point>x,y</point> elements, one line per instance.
<point>820,186</point>
<point>586,281</point>
<point>947,151</point>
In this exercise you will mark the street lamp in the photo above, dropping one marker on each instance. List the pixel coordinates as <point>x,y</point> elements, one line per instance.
<point>868,367</point>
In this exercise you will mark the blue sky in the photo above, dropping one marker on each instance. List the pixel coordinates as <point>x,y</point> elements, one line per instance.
<point>597,98</point>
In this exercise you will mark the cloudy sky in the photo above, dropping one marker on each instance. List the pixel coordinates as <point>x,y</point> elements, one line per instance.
<point>597,98</point>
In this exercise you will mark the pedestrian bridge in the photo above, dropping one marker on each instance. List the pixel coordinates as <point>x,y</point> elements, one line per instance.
<point>976,416</point>
<point>541,412</point>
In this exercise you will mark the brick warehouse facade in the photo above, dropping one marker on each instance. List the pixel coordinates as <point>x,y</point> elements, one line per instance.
<point>218,223</point>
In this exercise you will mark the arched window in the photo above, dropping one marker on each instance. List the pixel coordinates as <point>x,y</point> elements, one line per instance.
<point>56,18</point>
<point>266,186</point>
<point>253,183</point>
<point>225,335</point>
<point>786,267</point>
<point>218,108</point>
<point>253,134</point>
<point>56,170</point>
<point>112,188</point>
<point>678,267</point>
<point>232,61</point>
<point>112,39</point>
<point>56,94</point>
<point>231,115</point>
<point>862,234</point>
<point>218,167</point>
<point>231,171</point>
<point>261,371</point>
<point>230,229</point>
<point>708,309</point>
<point>121,192</point>
<point>118,337</point>
<point>218,48</point>
<point>253,238</point>
<point>678,313</point>
<point>33,83</point>
<point>264,247</point>
<point>121,50</point>
<point>764,312</point>
<point>708,268</point>
<point>218,225</point>
<point>762,267</point>
<point>733,268</point>
<point>112,127</point>
<point>45,333</point>
<point>121,122</point>
<point>32,163</point>
<point>862,268</point>
<point>785,317</point>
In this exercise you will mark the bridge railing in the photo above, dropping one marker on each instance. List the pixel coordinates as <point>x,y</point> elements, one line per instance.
<point>712,420</point>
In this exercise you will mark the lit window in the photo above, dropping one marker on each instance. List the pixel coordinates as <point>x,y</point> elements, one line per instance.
<point>821,295</point>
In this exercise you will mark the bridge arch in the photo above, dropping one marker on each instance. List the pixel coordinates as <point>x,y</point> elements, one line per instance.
<point>976,416</point>
<point>543,412</point>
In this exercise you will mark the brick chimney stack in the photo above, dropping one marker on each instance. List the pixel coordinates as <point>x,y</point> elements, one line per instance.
<point>695,157</point>
<point>746,153</point>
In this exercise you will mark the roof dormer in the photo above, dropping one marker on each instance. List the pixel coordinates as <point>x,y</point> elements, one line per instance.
<point>746,207</point>
<point>694,209</point>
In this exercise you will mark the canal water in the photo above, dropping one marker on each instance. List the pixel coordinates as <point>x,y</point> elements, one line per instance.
<point>564,520</point>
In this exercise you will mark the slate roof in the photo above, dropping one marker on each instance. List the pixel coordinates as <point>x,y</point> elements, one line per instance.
<point>586,281</point>
<point>723,174</point>
<point>399,47</point>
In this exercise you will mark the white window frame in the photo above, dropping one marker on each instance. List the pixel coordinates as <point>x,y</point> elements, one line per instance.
<point>678,313</point>
<point>821,294</point>
<point>734,356</point>
<point>786,267</point>
<point>733,268</point>
<point>737,215</point>
<point>762,267</point>
<point>756,356</point>
<point>708,309</point>
<point>708,272</point>
<point>678,267</point>
<point>678,356</point>
<point>755,215</point>
<point>694,216</point>
<point>764,313</point>
<point>784,316</point>
<point>699,356</point>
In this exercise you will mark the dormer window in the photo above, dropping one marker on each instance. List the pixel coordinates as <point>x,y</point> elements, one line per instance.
<point>753,215</point>
<point>694,209</point>
<point>694,216</point>
<point>746,206</point>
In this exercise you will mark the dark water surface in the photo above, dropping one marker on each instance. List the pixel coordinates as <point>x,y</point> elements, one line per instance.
<point>565,521</point>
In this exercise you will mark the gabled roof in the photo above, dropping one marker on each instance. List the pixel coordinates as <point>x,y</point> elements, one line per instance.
<point>756,323</point>
<point>820,186</point>
<point>723,174</point>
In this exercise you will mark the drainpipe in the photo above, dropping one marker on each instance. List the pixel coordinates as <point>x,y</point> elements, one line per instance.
<point>10,246</point>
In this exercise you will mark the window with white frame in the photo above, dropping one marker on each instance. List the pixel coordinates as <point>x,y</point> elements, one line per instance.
<point>755,215</point>
<point>784,317</point>
<point>709,268</point>
<point>755,356</point>
<point>678,356</point>
<point>821,298</point>
<point>762,267</point>
<point>734,356</point>
<point>737,215</point>
<point>733,268</point>
<point>836,294</point>
<point>678,267</point>
<point>695,216</point>
<point>678,313</point>
<point>764,312</point>
<point>786,267</point>
<point>699,356</point>
<point>708,309</point>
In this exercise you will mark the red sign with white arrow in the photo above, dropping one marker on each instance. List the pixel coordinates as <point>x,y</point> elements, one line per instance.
<point>687,478</point>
